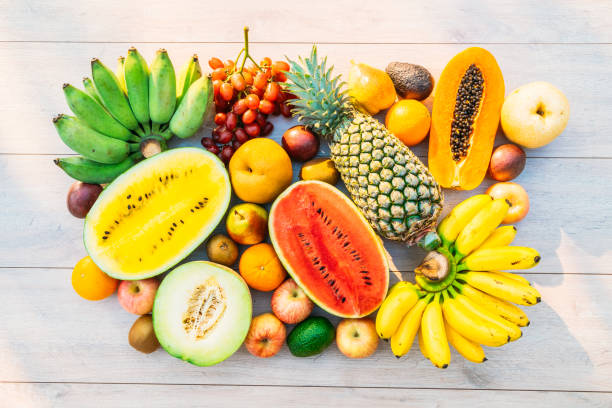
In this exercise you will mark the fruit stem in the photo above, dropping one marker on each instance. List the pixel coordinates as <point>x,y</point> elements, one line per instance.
<point>434,267</point>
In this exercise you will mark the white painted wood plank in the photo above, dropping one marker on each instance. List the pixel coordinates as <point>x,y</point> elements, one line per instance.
<point>34,74</point>
<point>385,21</point>
<point>162,396</point>
<point>566,222</point>
<point>49,334</point>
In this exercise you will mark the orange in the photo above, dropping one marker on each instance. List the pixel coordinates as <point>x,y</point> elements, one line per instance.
<point>409,120</point>
<point>90,282</point>
<point>261,268</point>
<point>260,170</point>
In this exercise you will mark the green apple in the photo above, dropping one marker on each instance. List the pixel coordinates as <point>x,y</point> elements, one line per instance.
<point>534,114</point>
<point>247,223</point>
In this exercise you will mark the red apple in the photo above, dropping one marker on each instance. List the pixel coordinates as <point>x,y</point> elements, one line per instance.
<point>357,338</point>
<point>247,223</point>
<point>290,304</point>
<point>507,162</point>
<point>300,143</point>
<point>266,336</point>
<point>137,296</point>
<point>517,196</point>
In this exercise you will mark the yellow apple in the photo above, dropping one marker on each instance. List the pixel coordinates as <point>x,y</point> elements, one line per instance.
<point>534,114</point>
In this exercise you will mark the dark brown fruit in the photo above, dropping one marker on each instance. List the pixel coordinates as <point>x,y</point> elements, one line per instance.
<point>300,143</point>
<point>142,336</point>
<point>222,249</point>
<point>81,197</point>
<point>507,162</point>
<point>411,81</point>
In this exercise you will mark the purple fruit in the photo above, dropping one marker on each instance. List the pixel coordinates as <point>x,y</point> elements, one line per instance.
<point>81,197</point>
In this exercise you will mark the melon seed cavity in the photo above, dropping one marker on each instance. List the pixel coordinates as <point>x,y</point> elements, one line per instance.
<point>205,309</point>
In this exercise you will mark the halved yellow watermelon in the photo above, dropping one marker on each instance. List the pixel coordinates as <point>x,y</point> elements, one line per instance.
<point>155,214</point>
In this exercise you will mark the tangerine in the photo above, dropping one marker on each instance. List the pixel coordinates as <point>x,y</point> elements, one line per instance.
<point>261,268</point>
<point>90,282</point>
<point>409,120</point>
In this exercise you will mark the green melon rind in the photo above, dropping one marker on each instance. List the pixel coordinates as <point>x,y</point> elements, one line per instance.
<point>287,264</point>
<point>162,338</point>
<point>212,225</point>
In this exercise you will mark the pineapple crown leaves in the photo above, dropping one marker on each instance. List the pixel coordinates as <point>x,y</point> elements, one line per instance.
<point>322,102</point>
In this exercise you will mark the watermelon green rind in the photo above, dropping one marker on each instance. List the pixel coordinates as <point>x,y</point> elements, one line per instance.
<point>109,189</point>
<point>278,247</point>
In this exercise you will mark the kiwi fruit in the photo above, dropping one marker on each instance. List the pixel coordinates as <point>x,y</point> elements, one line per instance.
<point>142,336</point>
<point>221,249</point>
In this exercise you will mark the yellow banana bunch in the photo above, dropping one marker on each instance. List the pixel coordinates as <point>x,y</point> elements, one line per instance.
<point>463,295</point>
<point>402,297</point>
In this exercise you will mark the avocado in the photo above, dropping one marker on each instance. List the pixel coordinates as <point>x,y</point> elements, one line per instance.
<point>411,81</point>
<point>311,337</point>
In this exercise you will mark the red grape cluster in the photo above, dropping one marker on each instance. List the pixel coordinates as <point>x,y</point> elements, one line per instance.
<point>244,98</point>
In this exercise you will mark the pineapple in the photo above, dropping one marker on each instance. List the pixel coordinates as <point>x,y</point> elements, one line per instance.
<point>393,189</point>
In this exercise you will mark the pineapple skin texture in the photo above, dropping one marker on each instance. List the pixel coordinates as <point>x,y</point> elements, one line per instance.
<point>394,190</point>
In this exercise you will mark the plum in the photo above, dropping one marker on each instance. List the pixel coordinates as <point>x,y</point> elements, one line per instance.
<point>81,197</point>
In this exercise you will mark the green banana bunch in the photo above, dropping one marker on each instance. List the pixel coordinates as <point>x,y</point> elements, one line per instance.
<point>162,89</point>
<point>189,116</point>
<point>462,297</point>
<point>137,86</point>
<point>189,73</point>
<point>89,171</point>
<point>124,116</point>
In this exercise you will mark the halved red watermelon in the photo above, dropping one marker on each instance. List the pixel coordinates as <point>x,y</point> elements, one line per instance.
<point>329,249</point>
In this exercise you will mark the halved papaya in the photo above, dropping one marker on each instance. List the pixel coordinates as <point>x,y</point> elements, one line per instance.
<point>464,120</point>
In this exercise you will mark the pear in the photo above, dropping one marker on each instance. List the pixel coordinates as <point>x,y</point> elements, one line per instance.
<point>371,88</point>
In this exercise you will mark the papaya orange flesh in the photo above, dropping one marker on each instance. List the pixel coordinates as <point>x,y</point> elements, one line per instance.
<point>465,116</point>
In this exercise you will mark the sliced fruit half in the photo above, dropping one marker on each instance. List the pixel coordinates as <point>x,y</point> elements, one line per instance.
<point>157,213</point>
<point>329,249</point>
<point>202,312</point>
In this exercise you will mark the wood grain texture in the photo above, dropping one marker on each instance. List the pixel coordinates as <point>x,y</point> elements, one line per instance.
<point>55,336</point>
<point>38,71</point>
<point>186,396</point>
<point>383,21</point>
<point>57,350</point>
<point>575,240</point>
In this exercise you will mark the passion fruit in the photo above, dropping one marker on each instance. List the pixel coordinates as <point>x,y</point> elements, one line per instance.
<point>81,197</point>
<point>507,162</point>
<point>300,143</point>
<point>142,336</point>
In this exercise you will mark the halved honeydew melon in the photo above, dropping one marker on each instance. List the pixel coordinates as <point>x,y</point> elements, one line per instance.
<point>155,214</point>
<point>202,312</point>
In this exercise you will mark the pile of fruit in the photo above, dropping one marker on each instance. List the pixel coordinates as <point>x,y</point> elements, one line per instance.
<point>306,241</point>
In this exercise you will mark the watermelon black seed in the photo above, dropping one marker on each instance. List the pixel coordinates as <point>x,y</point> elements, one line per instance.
<point>129,196</point>
<point>106,232</point>
<point>104,237</point>
<point>139,198</point>
<point>343,299</point>
<point>129,206</point>
<point>368,283</point>
<point>192,210</point>
<point>174,224</point>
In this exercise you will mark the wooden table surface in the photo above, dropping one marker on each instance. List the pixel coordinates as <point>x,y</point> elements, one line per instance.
<point>59,350</point>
